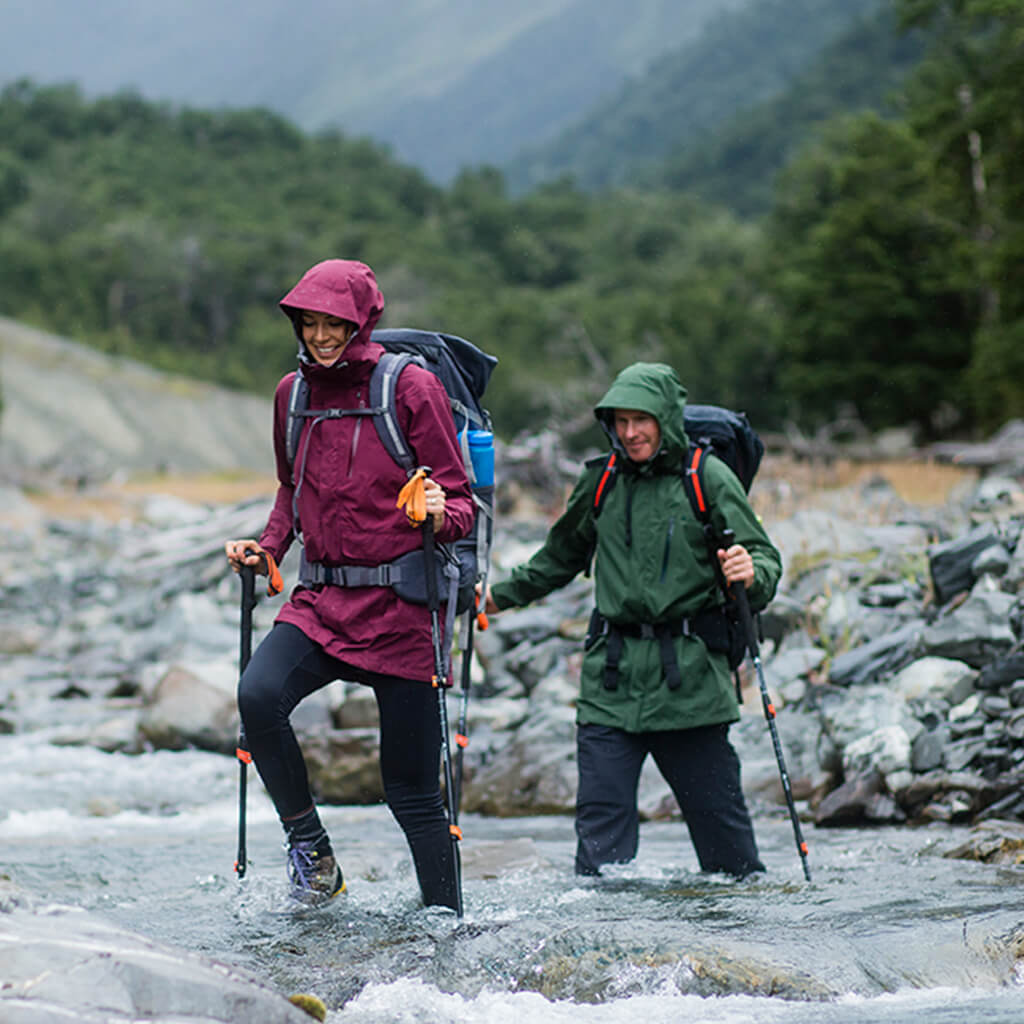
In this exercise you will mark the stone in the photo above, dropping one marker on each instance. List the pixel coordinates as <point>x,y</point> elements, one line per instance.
<point>993,842</point>
<point>876,658</point>
<point>344,765</point>
<point>846,805</point>
<point>946,678</point>
<point>950,562</point>
<point>928,750</point>
<point>886,750</point>
<point>64,964</point>
<point>975,632</point>
<point>192,707</point>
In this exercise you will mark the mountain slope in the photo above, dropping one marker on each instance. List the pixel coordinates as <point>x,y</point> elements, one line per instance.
<point>89,415</point>
<point>736,165</point>
<point>540,82</point>
<point>743,58</point>
<point>444,82</point>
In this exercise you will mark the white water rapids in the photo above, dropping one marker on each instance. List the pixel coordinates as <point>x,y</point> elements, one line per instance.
<point>888,931</point>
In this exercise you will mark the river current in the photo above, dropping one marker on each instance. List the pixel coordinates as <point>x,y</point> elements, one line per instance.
<point>887,931</point>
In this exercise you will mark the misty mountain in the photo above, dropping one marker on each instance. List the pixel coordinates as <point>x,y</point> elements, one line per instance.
<point>742,59</point>
<point>446,83</point>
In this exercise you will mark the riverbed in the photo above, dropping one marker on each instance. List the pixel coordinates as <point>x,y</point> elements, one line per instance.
<point>887,931</point>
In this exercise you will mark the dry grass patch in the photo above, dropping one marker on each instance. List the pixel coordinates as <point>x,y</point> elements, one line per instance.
<point>795,483</point>
<point>113,501</point>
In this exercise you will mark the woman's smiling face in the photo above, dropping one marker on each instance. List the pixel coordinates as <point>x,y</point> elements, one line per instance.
<point>325,336</point>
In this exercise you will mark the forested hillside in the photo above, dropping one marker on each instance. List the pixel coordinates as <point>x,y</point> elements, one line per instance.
<point>736,163</point>
<point>886,275</point>
<point>742,60</point>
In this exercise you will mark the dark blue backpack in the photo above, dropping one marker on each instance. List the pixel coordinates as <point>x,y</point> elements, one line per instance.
<point>464,370</point>
<point>728,435</point>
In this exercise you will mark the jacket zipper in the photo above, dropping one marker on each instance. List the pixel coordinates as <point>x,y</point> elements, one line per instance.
<point>668,546</point>
<point>355,435</point>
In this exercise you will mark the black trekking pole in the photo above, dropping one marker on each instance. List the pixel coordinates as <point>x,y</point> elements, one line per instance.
<point>434,602</point>
<point>739,595</point>
<point>461,731</point>
<point>248,575</point>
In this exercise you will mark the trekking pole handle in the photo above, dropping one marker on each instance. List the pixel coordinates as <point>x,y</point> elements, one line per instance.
<point>248,577</point>
<point>738,592</point>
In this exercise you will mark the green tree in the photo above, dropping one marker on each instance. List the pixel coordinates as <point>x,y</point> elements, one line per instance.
<point>869,273</point>
<point>966,104</point>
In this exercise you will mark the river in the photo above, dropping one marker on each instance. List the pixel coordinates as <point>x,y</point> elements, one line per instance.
<point>888,931</point>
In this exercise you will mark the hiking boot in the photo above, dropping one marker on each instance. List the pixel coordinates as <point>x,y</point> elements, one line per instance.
<point>313,872</point>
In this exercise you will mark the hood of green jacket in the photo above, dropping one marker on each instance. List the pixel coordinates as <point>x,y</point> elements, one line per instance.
<point>653,388</point>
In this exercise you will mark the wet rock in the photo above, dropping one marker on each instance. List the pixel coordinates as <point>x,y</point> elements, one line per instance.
<point>947,795</point>
<point>994,842</point>
<point>61,964</point>
<point>495,860</point>
<point>885,751</point>
<point>595,975</point>
<point>928,749</point>
<point>847,717</point>
<point>857,800</point>
<point>358,710</point>
<point>344,765</point>
<point>193,707</point>
<point>534,773</point>
<point>1002,672</point>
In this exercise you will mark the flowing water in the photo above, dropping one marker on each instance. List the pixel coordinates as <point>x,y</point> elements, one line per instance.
<point>887,931</point>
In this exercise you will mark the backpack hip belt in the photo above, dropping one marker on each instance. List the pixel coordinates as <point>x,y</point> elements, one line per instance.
<point>405,575</point>
<point>709,625</point>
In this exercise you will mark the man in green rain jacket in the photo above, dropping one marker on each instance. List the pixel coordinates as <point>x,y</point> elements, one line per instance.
<point>650,682</point>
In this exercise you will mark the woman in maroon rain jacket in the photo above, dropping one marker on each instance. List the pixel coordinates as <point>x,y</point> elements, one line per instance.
<point>343,505</point>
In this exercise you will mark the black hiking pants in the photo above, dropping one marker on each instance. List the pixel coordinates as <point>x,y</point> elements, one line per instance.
<point>703,772</point>
<point>288,666</point>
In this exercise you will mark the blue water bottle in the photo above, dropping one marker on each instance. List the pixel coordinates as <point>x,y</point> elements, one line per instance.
<point>481,454</point>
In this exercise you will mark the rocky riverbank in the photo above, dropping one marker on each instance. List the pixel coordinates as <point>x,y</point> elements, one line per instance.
<point>893,653</point>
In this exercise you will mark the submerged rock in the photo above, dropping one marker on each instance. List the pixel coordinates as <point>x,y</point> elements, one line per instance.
<point>993,842</point>
<point>62,964</point>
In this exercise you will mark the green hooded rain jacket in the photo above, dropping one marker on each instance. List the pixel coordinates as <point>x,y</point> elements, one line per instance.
<point>651,565</point>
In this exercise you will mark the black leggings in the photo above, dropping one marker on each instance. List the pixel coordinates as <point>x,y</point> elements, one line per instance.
<point>288,666</point>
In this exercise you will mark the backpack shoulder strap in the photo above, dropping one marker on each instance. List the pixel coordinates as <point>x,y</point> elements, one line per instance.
<point>609,466</point>
<point>383,382</point>
<point>606,481</point>
<point>693,481</point>
<point>697,492</point>
<point>298,402</point>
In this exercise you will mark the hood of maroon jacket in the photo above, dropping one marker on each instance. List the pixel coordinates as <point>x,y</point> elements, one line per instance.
<point>346,484</point>
<point>343,288</point>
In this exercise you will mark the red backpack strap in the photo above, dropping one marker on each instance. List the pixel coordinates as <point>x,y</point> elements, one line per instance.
<point>606,482</point>
<point>693,482</point>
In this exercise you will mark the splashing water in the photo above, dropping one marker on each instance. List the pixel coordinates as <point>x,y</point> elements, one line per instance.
<point>889,931</point>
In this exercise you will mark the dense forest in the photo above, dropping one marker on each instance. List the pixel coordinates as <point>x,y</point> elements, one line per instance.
<point>883,273</point>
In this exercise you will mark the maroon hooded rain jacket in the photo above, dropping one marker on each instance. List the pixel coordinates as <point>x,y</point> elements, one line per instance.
<point>349,483</point>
